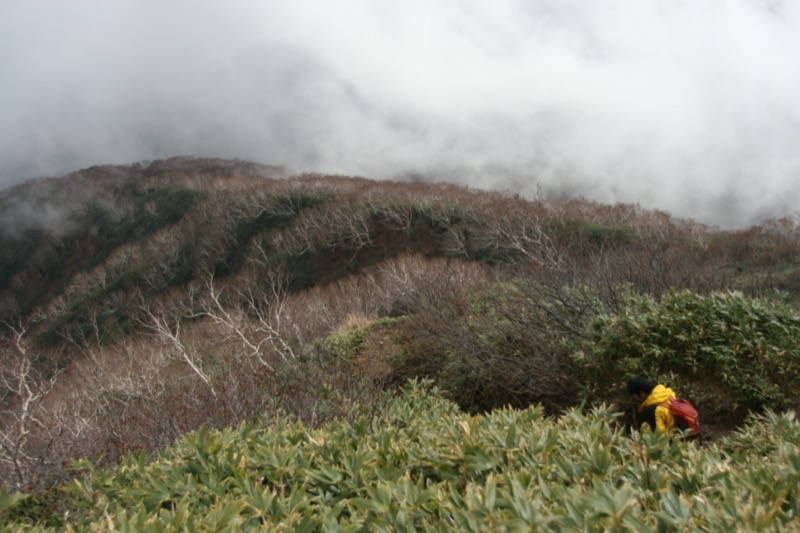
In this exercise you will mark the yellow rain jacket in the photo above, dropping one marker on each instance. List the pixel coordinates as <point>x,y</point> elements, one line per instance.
<point>658,416</point>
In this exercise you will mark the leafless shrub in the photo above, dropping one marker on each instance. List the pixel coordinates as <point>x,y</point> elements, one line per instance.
<point>26,432</point>
<point>520,228</point>
<point>501,342</point>
<point>165,326</point>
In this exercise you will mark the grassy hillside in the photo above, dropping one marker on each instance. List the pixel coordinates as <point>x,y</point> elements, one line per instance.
<point>143,302</point>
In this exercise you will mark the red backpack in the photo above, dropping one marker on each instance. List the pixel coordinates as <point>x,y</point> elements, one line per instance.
<point>685,415</point>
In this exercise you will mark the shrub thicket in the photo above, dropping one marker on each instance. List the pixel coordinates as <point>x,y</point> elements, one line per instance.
<point>422,466</point>
<point>325,381</point>
<point>151,212</point>
<point>542,340</point>
<point>729,352</point>
<point>504,342</point>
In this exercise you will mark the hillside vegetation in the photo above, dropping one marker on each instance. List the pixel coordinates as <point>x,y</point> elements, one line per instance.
<point>143,302</point>
<point>419,465</point>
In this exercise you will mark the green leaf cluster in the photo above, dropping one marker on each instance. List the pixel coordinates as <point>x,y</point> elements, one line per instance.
<point>423,466</point>
<point>727,348</point>
<point>341,345</point>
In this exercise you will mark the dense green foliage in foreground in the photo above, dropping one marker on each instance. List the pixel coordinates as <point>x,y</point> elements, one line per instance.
<point>421,465</point>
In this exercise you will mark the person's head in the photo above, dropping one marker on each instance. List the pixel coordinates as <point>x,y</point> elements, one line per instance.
<point>639,388</point>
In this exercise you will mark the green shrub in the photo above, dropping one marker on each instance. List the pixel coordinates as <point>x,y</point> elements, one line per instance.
<point>423,466</point>
<point>343,344</point>
<point>720,349</point>
<point>329,378</point>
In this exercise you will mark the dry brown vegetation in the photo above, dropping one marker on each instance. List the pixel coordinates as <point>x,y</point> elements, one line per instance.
<point>187,292</point>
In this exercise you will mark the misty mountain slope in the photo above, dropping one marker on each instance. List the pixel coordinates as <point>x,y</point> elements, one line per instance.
<point>52,229</point>
<point>98,237</point>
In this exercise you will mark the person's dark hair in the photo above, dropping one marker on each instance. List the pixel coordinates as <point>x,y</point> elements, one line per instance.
<point>639,384</point>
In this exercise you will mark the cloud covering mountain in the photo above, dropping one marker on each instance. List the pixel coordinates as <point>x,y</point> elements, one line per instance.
<point>686,106</point>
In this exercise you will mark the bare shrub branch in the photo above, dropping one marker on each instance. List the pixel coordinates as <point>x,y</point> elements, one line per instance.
<point>24,431</point>
<point>166,326</point>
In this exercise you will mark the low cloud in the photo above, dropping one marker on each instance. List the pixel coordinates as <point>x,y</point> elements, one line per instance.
<point>683,106</point>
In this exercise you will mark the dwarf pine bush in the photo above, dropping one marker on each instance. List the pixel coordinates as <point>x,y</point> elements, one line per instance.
<point>423,466</point>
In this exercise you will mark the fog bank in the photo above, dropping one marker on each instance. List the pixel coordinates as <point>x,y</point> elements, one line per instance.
<point>685,106</point>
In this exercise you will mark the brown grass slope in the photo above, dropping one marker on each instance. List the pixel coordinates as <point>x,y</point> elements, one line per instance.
<point>143,301</point>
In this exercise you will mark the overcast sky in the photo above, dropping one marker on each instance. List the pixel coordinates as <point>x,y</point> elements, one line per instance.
<point>689,106</point>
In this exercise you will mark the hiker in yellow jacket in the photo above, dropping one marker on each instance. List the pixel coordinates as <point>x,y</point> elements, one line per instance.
<point>650,398</point>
